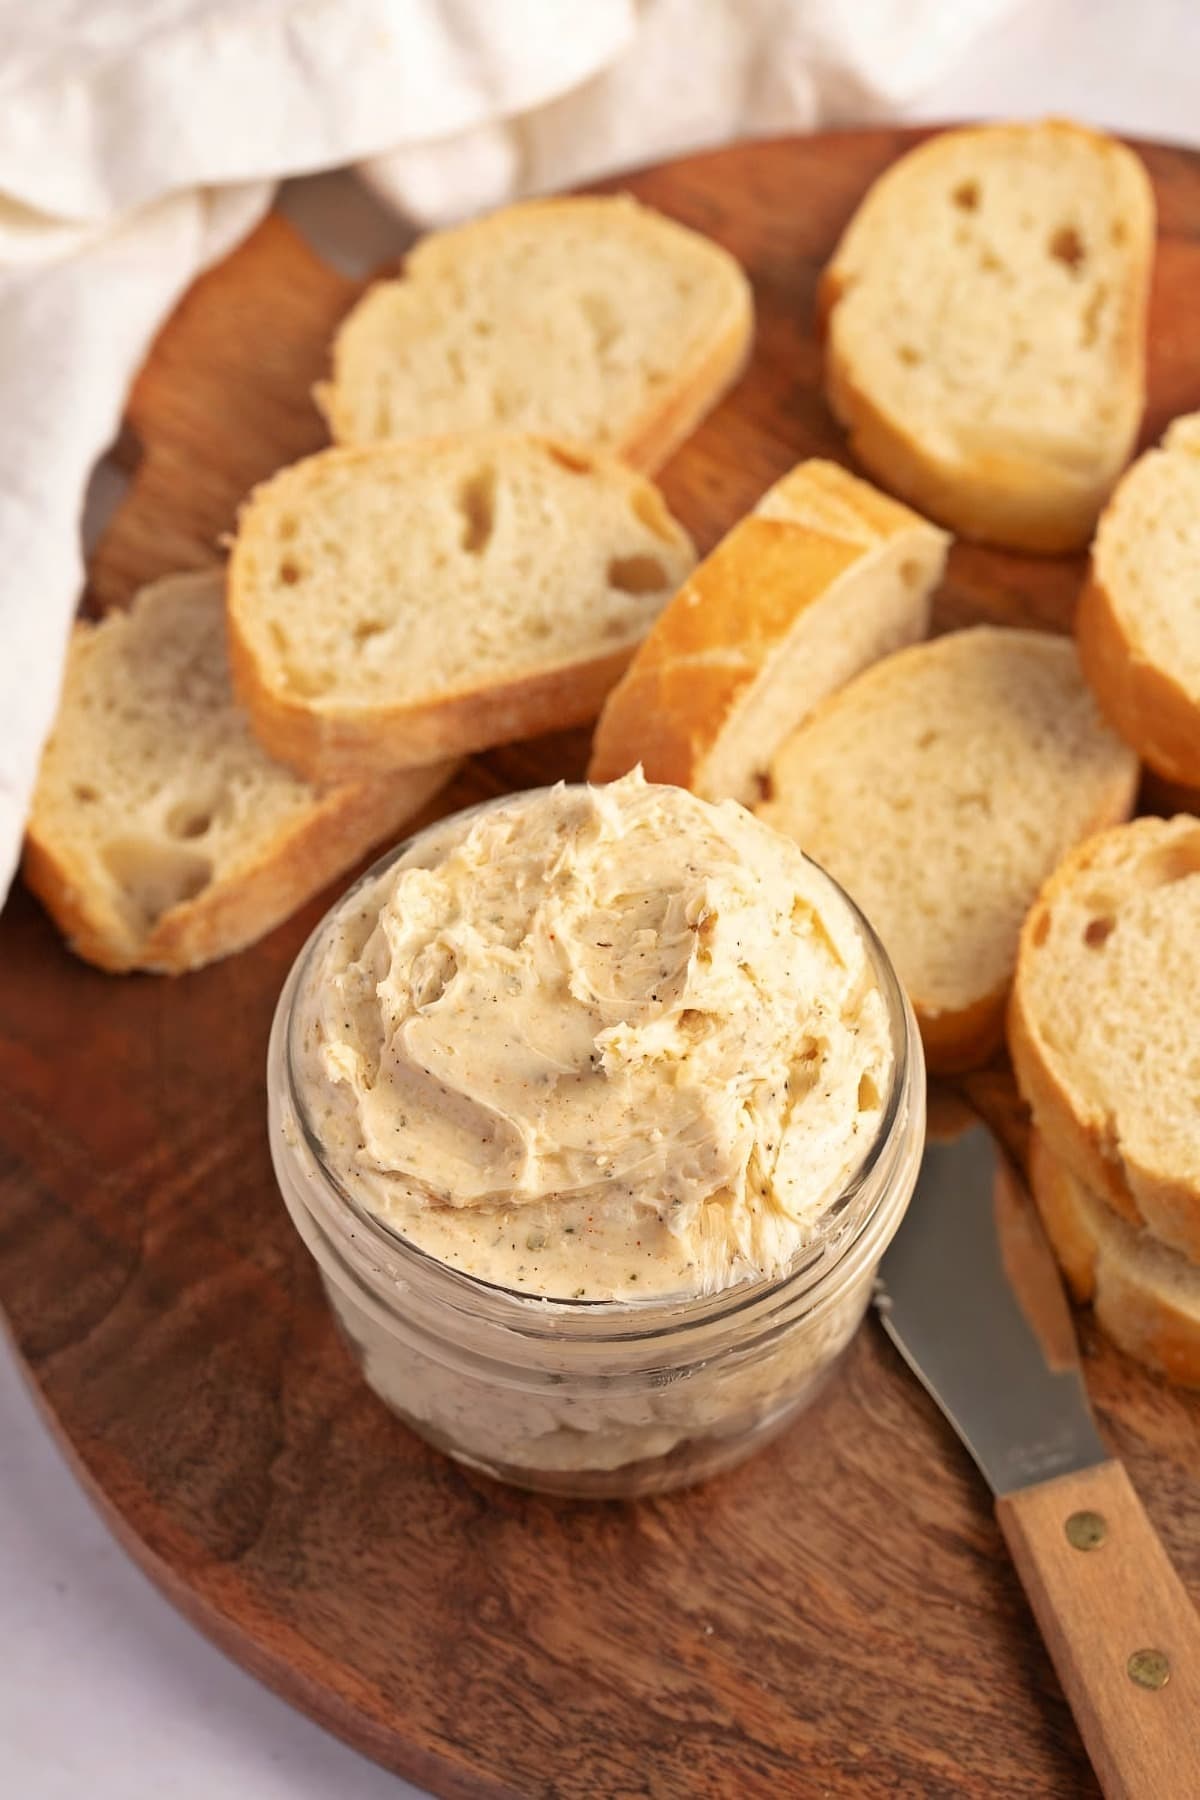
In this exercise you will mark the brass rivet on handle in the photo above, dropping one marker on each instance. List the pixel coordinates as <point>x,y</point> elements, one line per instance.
<point>1086,1530</point>
<point>1149,1668</point>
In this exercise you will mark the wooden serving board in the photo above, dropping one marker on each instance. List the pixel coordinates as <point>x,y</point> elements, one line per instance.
<point>839,1616</point>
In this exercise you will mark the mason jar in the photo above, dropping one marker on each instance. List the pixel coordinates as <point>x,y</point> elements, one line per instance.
<point>593,1398</point>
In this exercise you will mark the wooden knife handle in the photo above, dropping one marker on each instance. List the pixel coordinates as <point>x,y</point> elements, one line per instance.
<point>1117,1620</point>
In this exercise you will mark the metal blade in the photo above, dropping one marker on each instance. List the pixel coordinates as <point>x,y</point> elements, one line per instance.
<point>970,1295</point>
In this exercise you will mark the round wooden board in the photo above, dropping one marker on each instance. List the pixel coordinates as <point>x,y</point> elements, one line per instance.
<point>838,1617</point>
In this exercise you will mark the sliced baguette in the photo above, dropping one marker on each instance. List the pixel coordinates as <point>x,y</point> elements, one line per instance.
<point>1104,1024</point>
<point>596,320</point>
<point>985,314</point>
<point>1145,1296</point>
<point>161,835</point>
<point>392,604</point>
<point>1138,624</point>
<point>825,576</point>
<point>941,788</point>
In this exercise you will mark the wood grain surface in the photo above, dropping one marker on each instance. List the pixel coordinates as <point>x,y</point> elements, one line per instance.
<point>839,1617</point>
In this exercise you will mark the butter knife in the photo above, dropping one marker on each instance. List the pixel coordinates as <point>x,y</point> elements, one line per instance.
<point>970,1295</point>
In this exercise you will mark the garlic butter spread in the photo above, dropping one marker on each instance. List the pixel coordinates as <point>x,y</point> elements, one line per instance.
<point>599,1043</point>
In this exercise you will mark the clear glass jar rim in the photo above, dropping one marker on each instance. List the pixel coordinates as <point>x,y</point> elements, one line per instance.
<point>656,1315</point>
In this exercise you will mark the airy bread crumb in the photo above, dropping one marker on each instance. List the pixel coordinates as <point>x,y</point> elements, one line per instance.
<point>1138,623</point>
<point>941,788</point>
<point>395,603</point>
<point>597,320</point>
<point>1104,1026</point>
<point>161,835</point>
<point>986,313</point>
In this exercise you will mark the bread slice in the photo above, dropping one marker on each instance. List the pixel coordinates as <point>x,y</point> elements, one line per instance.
<point>161,835</point>
<point>941,788</point>
<point>393,604</point>
<point>823,577</point>
<point>1104,1024</point>
<point>596,320</point>
<point>985,314</point>
<point>1138,624</point>
<point>1146,1297</point>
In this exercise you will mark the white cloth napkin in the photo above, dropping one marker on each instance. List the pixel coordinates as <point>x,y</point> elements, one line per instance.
<point>140,139</point>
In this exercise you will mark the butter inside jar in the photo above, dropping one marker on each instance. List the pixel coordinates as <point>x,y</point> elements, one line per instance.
<point>596,1043</point>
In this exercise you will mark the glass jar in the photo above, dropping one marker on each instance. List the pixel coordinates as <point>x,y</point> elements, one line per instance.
<point>597,1399</point>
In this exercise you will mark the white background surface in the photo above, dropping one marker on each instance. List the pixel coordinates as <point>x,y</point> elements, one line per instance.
<point>105,1692</point>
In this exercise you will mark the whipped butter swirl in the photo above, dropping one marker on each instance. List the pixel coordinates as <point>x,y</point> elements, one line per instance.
<point>598,1043</point>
